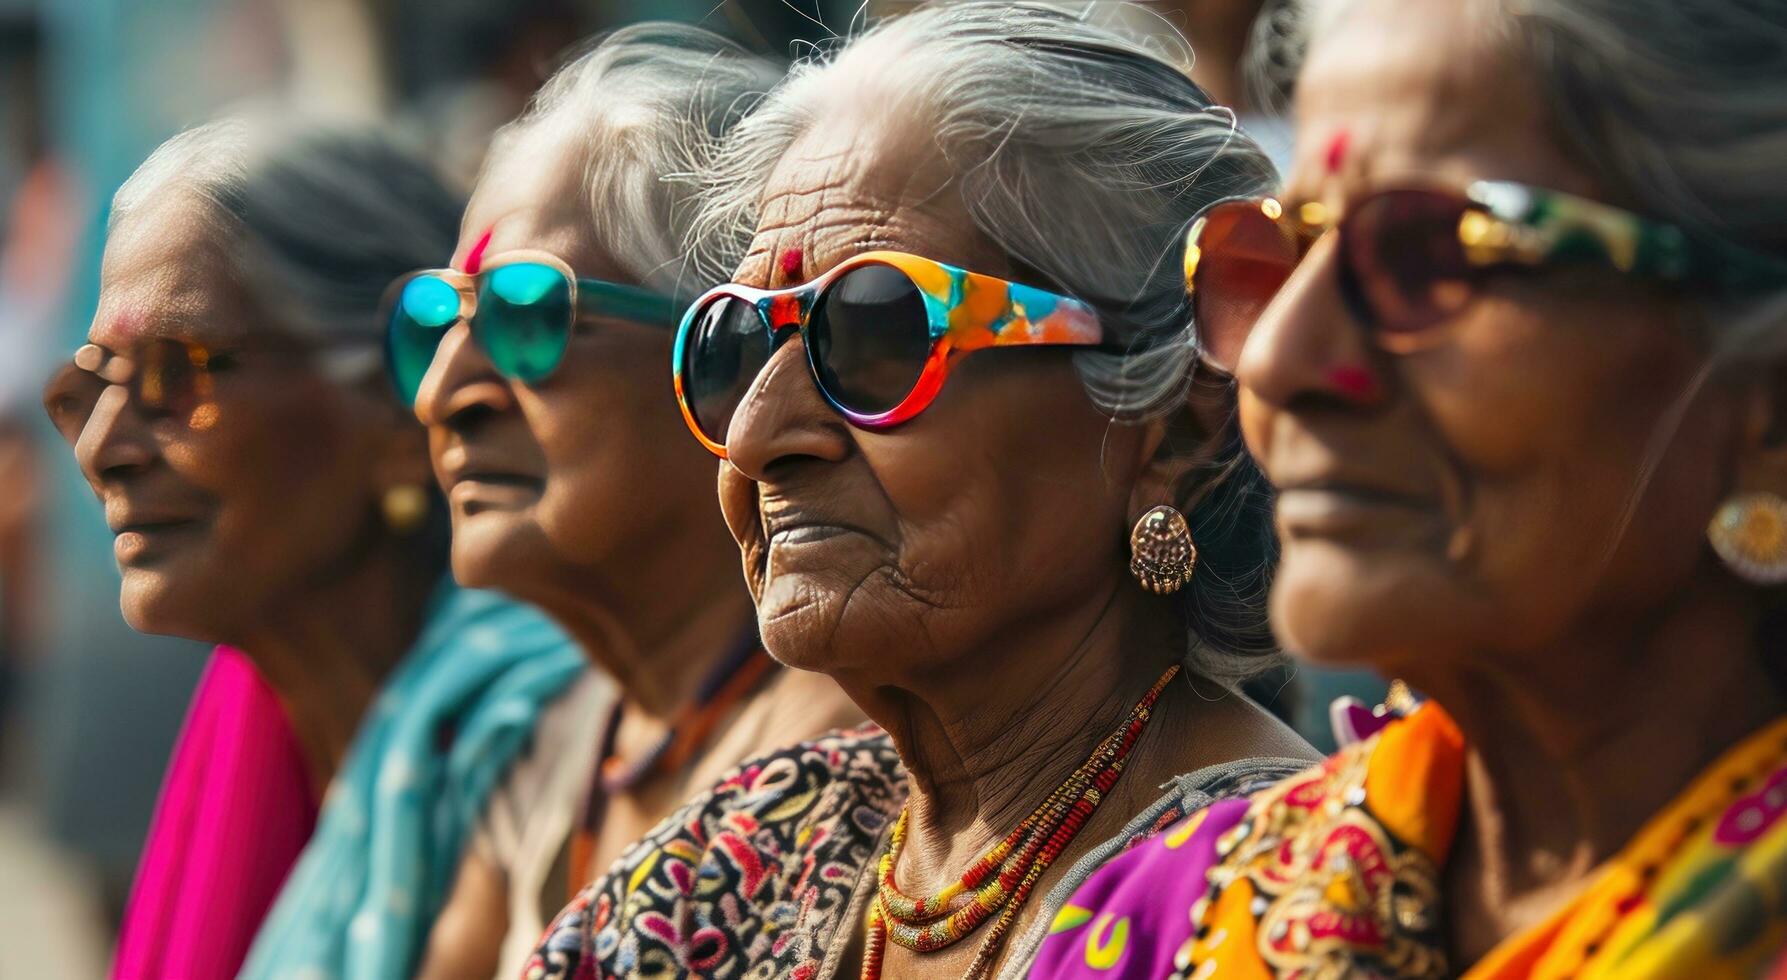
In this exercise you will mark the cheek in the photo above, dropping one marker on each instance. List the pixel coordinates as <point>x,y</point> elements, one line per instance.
<point>1002,482</point>
<point>619,461</point>
<point>1574,479</point>
<point>292,489</point>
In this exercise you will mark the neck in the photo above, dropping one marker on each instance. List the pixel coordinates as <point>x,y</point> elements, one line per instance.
<point>982,755</point>
<point>659,625</point>
<point>327,649</point>
<point>1575,748</point>
<point>1220,34</point>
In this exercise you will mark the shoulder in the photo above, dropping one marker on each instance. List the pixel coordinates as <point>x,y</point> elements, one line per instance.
<point>1163,869</point>
<point>846,782</point>
<point>858,763</point>
<point>759,867</point>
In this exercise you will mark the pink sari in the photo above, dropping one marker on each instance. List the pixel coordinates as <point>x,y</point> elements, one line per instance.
<point>236,809</point>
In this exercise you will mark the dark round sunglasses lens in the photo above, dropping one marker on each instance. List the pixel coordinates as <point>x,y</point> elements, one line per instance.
<point>727,347</point>
<point>868,337</point>
<point>425,308</point>
<point>524,319</point>
<point>1242,258</point>
<point>1406,260</point>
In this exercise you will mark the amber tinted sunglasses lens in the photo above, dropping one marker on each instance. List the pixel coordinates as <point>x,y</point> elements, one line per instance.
<point>172,377</point>
<point>165,378</point>
<point>868,337</point>
<point>726,347</point>
<point>1405,262</point>
<point>1237,258</point>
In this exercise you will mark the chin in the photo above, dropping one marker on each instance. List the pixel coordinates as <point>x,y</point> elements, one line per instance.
<point>1369,612</point>
<point>792,617</point>
<point>152,604</point>
<point>489,548</point>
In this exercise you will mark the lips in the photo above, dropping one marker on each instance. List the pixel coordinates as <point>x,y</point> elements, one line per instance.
<point>139,519</point>
<point>1361,493</point>
<point>497,478</point>
<point>142,539</point>
<point>785,523</point>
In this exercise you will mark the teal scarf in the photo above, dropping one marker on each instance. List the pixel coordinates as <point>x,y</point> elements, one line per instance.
<point>459,708</point>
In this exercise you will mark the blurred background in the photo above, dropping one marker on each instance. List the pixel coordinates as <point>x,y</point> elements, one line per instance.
<point>88,708</point>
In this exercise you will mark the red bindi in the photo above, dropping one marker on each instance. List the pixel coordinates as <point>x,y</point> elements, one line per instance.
<point>130,323</point>
<point>1337,147</point>
<point>790,263</point>
<point>474,259</point>
<point>1355,382</point>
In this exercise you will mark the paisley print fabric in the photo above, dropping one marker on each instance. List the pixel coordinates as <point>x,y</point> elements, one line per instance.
<point>1336,872</point>
<point>752,879</point>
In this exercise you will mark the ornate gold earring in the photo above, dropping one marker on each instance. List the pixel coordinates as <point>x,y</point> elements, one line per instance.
<point>1749,533</point>
<point>1162,554</point>
<point>405,507</point>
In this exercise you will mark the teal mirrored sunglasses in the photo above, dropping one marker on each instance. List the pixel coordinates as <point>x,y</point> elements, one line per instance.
<point>521,309</point>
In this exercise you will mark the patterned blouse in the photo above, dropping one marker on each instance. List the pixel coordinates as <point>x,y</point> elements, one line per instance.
<point>758,873</point>
<point>768,874</point>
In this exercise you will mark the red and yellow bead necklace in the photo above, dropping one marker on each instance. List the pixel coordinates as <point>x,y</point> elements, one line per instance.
<point>1003,878</point>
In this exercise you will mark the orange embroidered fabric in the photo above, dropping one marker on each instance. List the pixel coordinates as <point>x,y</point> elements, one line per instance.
<point>1336,872</point>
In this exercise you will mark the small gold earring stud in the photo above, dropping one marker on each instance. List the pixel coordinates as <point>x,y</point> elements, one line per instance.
<point>405,507</point>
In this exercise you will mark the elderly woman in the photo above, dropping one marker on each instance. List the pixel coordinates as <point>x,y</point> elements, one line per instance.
<point>1518,380</point>
<point>951,550</point>
<point>572,483</point>
<point>266,493</point>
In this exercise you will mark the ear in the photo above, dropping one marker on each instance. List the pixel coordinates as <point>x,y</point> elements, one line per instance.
<point>399,444</point>
<point>1179,446</point>
<point>1761,438</point>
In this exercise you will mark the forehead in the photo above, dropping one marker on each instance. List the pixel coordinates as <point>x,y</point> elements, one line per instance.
<point>862,181</point>
<point>534,195</point>
<point>1396,91</point>
<point>166,274</point>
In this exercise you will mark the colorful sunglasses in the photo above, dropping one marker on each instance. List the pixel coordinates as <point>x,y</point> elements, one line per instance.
<point>1411,259</point>
<point>521,307</point>
<point>881,330</point>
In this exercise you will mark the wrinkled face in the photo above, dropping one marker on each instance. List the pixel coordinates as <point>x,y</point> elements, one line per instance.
<point>591,466</point>
<point>999,508</point>
<point>1494,491</point>
<point>267,487</point>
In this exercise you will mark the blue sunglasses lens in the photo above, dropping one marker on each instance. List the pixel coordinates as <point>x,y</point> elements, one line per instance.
<point>524,319</point>
<point>425,308</point>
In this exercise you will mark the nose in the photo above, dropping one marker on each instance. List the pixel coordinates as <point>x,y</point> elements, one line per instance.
<point>116,441</point>
<point>461,384</point>
<point>1307,345</point>
<point>783,418</point>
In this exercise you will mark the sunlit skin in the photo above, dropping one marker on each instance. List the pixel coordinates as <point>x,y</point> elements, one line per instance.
<point>586,496</point>
<point>1514,519</point>
<point>256,521</point>
<point>963,576</point>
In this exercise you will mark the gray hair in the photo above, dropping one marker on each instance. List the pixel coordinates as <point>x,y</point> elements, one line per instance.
<point>1681,106</point>
<point>1083,154</point>
<point>642,106</point>
<point>317,219</point>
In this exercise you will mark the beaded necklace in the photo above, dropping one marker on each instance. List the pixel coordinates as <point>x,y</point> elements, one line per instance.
<point>721,690</point>
<point>1002,878</point>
